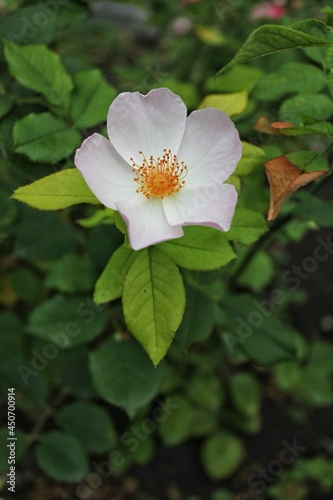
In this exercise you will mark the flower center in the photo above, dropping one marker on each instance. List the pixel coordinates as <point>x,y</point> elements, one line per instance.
<point>160,176</point>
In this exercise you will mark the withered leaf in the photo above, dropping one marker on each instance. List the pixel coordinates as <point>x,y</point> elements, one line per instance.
<point>264,125</point>
<point>284,179</point>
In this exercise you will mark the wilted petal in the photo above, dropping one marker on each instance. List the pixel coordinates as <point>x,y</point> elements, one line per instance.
<point>211,147</point>
<point>146,221</point>
<point>109,177</point>
<point>147,123</point>
<point>211,205</point>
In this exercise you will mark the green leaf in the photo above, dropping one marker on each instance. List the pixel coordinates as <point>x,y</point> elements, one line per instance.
<point>257,332</point>
<point>90,424</point>
<point>249,424</point>
<point>329,14</point>
<point>221,494</point>
<point>39,69</point>
<point>206,391</point>
<point>10,337</point>
<point>329,58</point>
<point>233,180</point>
<point>231,104</point>
<point>269,39</point>
<point>124,376</point>
<point>177,428</point>
<point>210,35</point>
<point>187,91</point>
<point>30,385</point>
<point>120,223</point>
<point>72,274</point>
<point>44,138</point>
<point>295,109</point>
<point>314,385</point>
<point>5,105</point>
<point>237,79</point>
<point>102,243</point>
<point>67,321</point>
<point>8,211</point>
<point>153,301</point>
<point>310,383</point>
<point>185,422</point>
<point>110,284</point>
<point>259,272</point>
<point>314,209</point>
<point>222,454</point>
<point>91,98</point>
<point>198,321</point>
<point>62,457</point>
<point>209,284</point>
<point>328,63</point>
<point>76,375</point>
<point>26,24</point>
<point>252,157</point>
<point>145,451</point>
<point>57,191</point>
<point>320,128</point>
<point>294,77</point>
<point>247,226</point>
<point>316,54</point>
<point>20,164</point>
<point>287,375</point>
<point>43,236</point>
<point>308,161</point>
<point>200,249</point>
<point>27,285</point>
<point>245,393</point>
<point>102,216</point>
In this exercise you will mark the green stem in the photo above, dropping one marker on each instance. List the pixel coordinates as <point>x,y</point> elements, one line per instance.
<point>280,224</point>
<point>46,415</point>
<point>283,221</point>
<point>321,182</point>
<point>57,110</point>
<point>26,100</point>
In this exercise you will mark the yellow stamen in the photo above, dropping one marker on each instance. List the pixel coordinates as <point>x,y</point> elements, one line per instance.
<point>159,177</point>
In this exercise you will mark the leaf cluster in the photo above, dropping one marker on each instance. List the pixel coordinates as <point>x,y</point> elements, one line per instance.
<point>209,309</point>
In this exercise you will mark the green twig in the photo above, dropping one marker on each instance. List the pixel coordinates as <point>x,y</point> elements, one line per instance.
<point>283,221</point>
<point>280,224</point>
<point>48,412</point>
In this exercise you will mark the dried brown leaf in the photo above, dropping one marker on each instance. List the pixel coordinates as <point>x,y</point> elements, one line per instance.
<point>284,179</point>
<point>264,125</point>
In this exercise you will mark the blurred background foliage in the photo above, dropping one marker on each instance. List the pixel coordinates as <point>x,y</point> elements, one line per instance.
<point>230,404</point>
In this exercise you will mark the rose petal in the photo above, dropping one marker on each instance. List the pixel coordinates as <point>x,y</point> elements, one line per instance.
<point>146,221</point>
<point>147,123</point>
<point>211,147</point>
<point>109,177</point>
<point>211,205</point>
